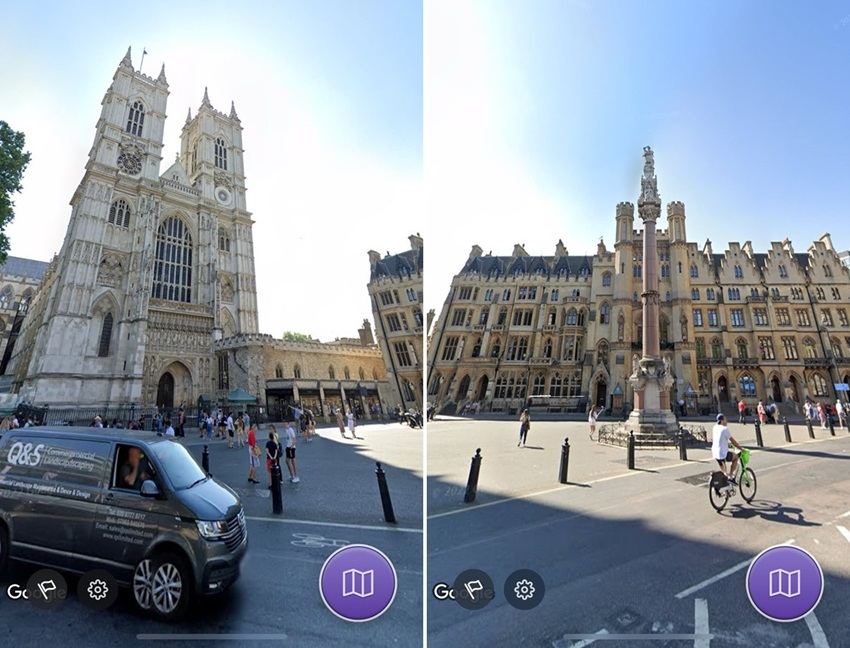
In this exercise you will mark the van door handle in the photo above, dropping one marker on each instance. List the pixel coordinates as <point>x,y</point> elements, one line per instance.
<point>108,497</point>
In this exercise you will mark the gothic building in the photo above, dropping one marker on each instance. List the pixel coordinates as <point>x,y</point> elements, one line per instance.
<point>395,289</point>
<point>567,329</point>
<point>154,266</point>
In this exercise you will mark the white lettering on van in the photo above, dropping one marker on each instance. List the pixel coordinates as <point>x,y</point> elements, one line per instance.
<point>22,454</point>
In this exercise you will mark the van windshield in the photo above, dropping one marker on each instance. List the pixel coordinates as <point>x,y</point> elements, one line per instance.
<point>178,464</point>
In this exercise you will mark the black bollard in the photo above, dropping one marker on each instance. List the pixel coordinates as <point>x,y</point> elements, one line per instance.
<point>472,482</point>
<point>831,425</point>
<point>787,429</point>
<point>759,440</point>
<point>277,497</point>
<point>811,429</point>
<point>565,461</point>
<point>683,444</point>
<point>630,451</point>
<point>386,502</point>
<point>205,460</point>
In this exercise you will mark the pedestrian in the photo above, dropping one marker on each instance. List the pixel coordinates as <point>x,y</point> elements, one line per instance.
<point>310,420</point>
<point>524,427</point>
<point>202,423</point>
<point>272,453</point>
<point>169,430</point>
<point>822,415</point>
<point>742,411</point>
<point>240,432</point>
<point>341,423</point>
<point>247,421</point>
<point>254,453</point>
<point>181,422</point>
<point>591,419</point>
<point>209,426</point>
<point>289,431</point>
<point>351,423</point>
<point>228,424</point>
<point>840,411</point>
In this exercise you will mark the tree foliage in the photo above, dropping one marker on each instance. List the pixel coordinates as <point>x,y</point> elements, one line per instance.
<point>13,162</point>
<point>292,336</point>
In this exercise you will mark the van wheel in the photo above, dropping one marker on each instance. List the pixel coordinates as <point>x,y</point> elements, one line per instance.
<point>5,547</point>
<point>143,583</point>
<point>171,586</point>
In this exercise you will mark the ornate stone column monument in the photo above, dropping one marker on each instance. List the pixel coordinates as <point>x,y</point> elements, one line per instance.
<point>651,377</point>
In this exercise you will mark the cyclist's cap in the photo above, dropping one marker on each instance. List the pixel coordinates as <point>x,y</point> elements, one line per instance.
<point>720,417</point>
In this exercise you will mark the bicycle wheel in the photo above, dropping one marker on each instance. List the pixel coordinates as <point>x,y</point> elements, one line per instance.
<point>747,484</point>
<point>718,498</point>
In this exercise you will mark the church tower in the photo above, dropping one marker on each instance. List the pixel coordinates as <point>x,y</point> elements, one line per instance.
<point>153,267</point>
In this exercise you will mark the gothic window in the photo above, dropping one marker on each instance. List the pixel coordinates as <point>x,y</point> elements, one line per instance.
<point>836,348</point>
<point>709,294</point>
<point>547,348</point>
<point>105,336</point>
<point>606,279</point>
<point>296,370</point>
<point>497,348</point>
<point>811,350</point>
<point>663,331</point>
<point>581,317</point>
<point>605,314</point>
<point>195,162</point>
<point>223,241</point>
<point>716,349</point>
<point>136,119</point>
<point>503,315</point>
<point>695,293</point>
<point>119,213</point>
<point>572,317</point>
<point>694,271</point>
<point>820,385</point>
<point>25,302</point>
<point>636,270</point>
<point>331,373</point>
<point>278,372</point>
<point>556,386</point>
<point>476,348</point>
<point>747,385</point>
<point>700,347</point>
<point>741,345</point>
<point>827,270</point>
<point>539,385</point>
<point>555,294</point>
<point>680,267</point>
<point>172,275</point>
<point>220,154</point>
<point>820,294</point>
<point>783,271</point>
<point>739,273</point>
<point>6,298</point>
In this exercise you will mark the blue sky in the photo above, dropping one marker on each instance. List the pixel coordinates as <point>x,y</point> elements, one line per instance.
<point>536,114</point>
<point>330,98</point>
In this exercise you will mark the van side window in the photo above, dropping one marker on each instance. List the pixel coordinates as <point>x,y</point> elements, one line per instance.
<point>132,468</point>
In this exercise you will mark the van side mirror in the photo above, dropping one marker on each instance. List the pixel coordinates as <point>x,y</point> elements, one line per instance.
<point>149,488</point>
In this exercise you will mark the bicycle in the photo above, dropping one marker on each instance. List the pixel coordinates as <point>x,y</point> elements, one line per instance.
<point>720,490</point>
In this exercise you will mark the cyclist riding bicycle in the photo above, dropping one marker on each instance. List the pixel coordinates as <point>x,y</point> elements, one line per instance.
<point>720,439</point>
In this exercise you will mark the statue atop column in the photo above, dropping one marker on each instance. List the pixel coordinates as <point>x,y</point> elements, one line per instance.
<point>648,183</point>
<point>648,163</point>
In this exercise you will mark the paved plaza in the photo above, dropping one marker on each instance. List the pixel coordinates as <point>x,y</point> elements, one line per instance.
<point>630,551</point>
<point>337,503</point>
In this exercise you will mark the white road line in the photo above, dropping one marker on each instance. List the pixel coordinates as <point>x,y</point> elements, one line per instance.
<point>718,577</point>
<point>587,642</point>
<point>818,636</point>
<point>844,532</point>
<point>701,622</point>
<point>843,515</point>
<point>364,527</point>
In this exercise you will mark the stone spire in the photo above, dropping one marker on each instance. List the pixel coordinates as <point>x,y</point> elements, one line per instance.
<point>127,61</point>
<point>189,115</point>
<point>161,77</point>
<point>233,114</point>
<point>206,100</point>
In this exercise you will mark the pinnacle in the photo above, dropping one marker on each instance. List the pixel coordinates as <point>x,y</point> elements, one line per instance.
<point>189,115</point>
<point>206,100</point>
<point>127,61</point>
<point>161,76</point>
<point>233,114</point>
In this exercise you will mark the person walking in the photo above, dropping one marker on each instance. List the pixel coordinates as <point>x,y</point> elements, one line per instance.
<point>591,419</point>
<point>351,423</point>
<point>310,419</point>
<point>272,453</point>
<point>822,415</point>
<point>341,423</point>
<point>742,411</point>
<point>841,413</point>
<point>524,427</point>
<point>289,432</point>
<point>231,431</point>
<point>240,432</point>
<point>254,452</point>
<point>762,413</point>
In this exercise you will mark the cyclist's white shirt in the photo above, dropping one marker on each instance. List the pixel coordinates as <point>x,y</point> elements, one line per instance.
<point>720,436</point>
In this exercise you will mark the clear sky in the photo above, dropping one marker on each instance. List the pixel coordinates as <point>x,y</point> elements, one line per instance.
<point>536,114</point>
<point>329,93</point>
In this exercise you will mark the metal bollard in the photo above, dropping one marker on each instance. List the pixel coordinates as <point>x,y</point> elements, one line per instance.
<point>386,502</point>
<point>565,461</point>
<point>831,425</point>
<point>811,429</point>
<point>759,439</point>
<point>787,429</point>
<point>683,444</point>
<point>472,482</point>
<point>205,460</point>
<point>630,452</point>
<point>277,497</point>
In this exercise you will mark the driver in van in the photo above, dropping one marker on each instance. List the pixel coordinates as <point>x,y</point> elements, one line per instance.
<point>133,471</point>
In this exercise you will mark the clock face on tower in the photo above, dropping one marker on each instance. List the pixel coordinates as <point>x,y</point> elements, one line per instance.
<point>222,195</point>
<point>129,163</point>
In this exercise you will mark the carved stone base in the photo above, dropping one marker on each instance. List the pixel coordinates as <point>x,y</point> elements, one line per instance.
<point>649,422</point>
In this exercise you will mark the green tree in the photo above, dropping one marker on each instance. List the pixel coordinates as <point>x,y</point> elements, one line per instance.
<point>13,162</point>
<point>292,336</point>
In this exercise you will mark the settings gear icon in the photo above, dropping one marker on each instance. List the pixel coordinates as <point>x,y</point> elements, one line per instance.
<point>98,590</point>
<point>524,589</point>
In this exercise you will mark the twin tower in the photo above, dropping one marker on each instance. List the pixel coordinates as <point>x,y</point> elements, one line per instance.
<point>155,266</point>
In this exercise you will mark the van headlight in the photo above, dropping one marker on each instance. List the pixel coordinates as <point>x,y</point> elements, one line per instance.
<point>212,530</point>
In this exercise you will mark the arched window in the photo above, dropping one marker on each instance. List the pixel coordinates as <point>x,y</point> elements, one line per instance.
<point>331,373</point>
<point>223,241</point>
<point>581,317</point>
<point>716,349</point>
<point>836,348</point>
<point>172,275</point>
<point>136,119</point>
<point>605,314</point>
<point>220,154</point>
<point>827,271</point>
<point>476,348</point>
<point>738,272</point>
<point>547,348</point>
<point>747,385</point>
<point>497,348</point>
<point>709,294</point>
<point>694,271</point>
<point>296,371</point>
<point>556,386</point>
<point>539,387</point>
<point>346,373</point>
<point>503,315</point>
<point>26,298</point>
<point>811,351</point>
<point>741,345</point>
<point>105,336</point>
<point>695,294</point>
<point>606,279</point>
<point>819,385</point>
<point>196,163</point>
<point>278,372</point>
<point>6,298</point>
<point>663,330</point>
<point>119,213</point>
<point>700,348</point>
<point>572,317</point>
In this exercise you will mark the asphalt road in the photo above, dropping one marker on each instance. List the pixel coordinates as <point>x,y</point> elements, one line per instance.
<point>276,601</point>
<point>631,551</point>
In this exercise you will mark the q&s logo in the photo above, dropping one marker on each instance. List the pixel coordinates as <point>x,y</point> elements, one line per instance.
<point>24,454</point>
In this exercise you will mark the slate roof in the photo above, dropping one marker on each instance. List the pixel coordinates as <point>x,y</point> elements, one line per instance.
<point>24,268</point>
<point>399,265</point>
<point>549,265</point>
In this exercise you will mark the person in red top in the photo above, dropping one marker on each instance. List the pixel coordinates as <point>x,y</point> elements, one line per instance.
<point>254,458</point>
<point>742,410</point>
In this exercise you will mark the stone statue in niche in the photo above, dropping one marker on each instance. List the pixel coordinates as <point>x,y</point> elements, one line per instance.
<point>684,330</point>
<point>621,324</point>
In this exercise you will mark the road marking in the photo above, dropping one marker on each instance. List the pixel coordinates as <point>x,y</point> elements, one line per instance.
<point>364,527</point>
<point>844,532</point>
<point>701,623</point>
<point>316,541</point>
<point>843,515</point>
<point>718,577</point>
<point>587,642</point>
<point>818,636</point>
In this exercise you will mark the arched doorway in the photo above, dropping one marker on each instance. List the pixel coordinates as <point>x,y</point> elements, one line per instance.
<point>723,389</point>
<point>602,393</point>
<point>795,388</point>
<point>464,387</point>
<point>777,389</point>
<point>482,388</point>
<point>165,391</point>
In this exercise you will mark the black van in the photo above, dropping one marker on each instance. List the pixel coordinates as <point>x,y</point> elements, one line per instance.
<point>129,502</point>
